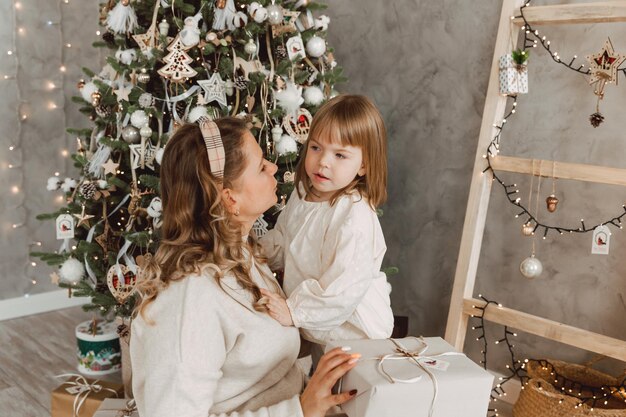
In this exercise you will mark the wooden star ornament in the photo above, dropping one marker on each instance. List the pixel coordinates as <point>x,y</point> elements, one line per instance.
<point>83,218</point>
<point>604,66</point>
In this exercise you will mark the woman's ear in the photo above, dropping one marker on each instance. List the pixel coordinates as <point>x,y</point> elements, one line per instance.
<point>230,200</point>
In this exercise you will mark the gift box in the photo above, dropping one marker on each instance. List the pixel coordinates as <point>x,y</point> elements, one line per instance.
<point>98,348</point>
<point>413,377</point>
<point>112,407</point>
<point>81,397</point>
<point>513,76</point>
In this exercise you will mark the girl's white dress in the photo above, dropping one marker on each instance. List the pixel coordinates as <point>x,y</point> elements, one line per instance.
<point>331,257</point>
<point>210,353</point>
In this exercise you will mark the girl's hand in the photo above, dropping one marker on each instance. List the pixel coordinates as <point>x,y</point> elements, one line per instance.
<point>317,397</point>
<point>277,308</point>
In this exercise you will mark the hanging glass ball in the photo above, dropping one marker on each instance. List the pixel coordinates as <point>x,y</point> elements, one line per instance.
<point>531,267</point>
<point>274,14</point>
<point>145,132</point>
<point>250,47</point>
<point>316,47</point>
<point>130,134</point>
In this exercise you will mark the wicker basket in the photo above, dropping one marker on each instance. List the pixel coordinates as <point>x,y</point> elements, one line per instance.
<point>543,395</point>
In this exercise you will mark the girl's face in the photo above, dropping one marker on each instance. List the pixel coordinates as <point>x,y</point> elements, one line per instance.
<point>255,189</point>
<point>330,165</point>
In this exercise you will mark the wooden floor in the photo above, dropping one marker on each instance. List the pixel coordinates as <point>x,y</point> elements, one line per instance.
<point>34,349</point>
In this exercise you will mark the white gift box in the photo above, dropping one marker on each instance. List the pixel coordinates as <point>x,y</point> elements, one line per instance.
<point>113,407</point>
<point>462,387</point>
<point>513,77</point>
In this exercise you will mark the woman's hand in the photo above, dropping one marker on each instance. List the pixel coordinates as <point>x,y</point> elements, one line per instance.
<point>317,397</point>
<point>277,307</point>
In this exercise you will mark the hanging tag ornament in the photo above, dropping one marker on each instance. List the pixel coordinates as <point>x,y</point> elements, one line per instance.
<point>65,226</point>
<point>601,240</point>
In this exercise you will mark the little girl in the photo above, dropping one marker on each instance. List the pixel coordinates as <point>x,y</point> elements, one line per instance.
<point>328,239</point>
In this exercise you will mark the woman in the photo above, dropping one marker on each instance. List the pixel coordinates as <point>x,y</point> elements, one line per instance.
<point>202,340</point>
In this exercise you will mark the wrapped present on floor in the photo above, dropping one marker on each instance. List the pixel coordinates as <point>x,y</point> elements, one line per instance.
<point>98,348</point>
<point>514,73</point>
<point>113,407</point>
<point>81,397</point>
<point>413,377</point>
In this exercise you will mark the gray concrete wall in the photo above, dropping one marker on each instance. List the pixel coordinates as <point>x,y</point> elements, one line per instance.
<point>426,65</point>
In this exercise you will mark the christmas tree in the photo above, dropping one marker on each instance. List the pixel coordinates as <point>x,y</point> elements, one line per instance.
<point>172,62</point>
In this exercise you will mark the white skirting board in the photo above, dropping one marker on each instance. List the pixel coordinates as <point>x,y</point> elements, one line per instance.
<point>39,303</point>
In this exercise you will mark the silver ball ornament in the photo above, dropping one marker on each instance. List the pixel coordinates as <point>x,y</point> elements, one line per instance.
<point>274,14</point>
<point>316,47</point>
<point>130,134</point>
<point>531,267</point>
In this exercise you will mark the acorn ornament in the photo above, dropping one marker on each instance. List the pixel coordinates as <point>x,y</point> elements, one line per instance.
<point>527,229</point>
<point>551,202</point>
<point>95,98</point>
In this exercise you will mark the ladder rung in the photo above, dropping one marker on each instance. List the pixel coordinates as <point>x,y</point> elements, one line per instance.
<point>562,170</point>
<point>558,14</point>
<point>548,329</point>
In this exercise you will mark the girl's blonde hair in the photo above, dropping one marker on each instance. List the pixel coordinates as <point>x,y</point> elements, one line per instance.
<point>197,231</point>
<point>355,121</point>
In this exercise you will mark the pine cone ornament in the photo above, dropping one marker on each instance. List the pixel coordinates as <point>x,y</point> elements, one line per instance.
<point>281,52</point>
<point>103,111</point>
<point>108,37</point>
<point>88,190</point>
<point>181,106</point>
<point>241,83</point>
<point>596,119</point>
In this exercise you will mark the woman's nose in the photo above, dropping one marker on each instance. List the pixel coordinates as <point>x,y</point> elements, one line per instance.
<point>273,168</point>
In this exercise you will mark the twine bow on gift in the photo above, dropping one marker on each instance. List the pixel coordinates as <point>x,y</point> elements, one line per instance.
<point>80,388</point>
<point>131,407</point>
<point>418,358</point>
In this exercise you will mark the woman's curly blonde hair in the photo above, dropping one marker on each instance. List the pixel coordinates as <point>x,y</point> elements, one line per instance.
<point>197,232</point>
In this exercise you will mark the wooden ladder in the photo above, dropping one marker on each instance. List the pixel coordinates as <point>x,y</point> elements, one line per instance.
<point>463,305</point>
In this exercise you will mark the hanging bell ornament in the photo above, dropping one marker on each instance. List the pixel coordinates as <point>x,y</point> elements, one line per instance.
<point>143,76</point>
<point>250,47</point>
<point>551,203</point>
<point>220,4</point>
<point>531,267</point>
<point>95,98</point>
<point>164,27</point>
<point>80,84</point>
<point>527,229</point>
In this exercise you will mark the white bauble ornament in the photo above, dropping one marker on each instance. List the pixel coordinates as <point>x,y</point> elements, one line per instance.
<point>274,14</point>
<point>196,113</point>
<point>313,96</point>
<point>130,134</point>
<point>139,119</point>
<point>316,47</point>
<point>88,89</point>
<point>158,157</point>
<point>333,93</point>
<point>277,133</point>
<point>145,131</point>
<point>72,271</point>
<point>286,145</point>
<point>102,184</point>
<point>250,47</point>
<point>126,56</point>
<point>531,267</point>
<point>155,208</point>
<point>53,183</point>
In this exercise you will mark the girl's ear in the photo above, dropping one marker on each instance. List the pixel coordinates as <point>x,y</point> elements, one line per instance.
<point>230,200</point>
<point>361,171</point>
